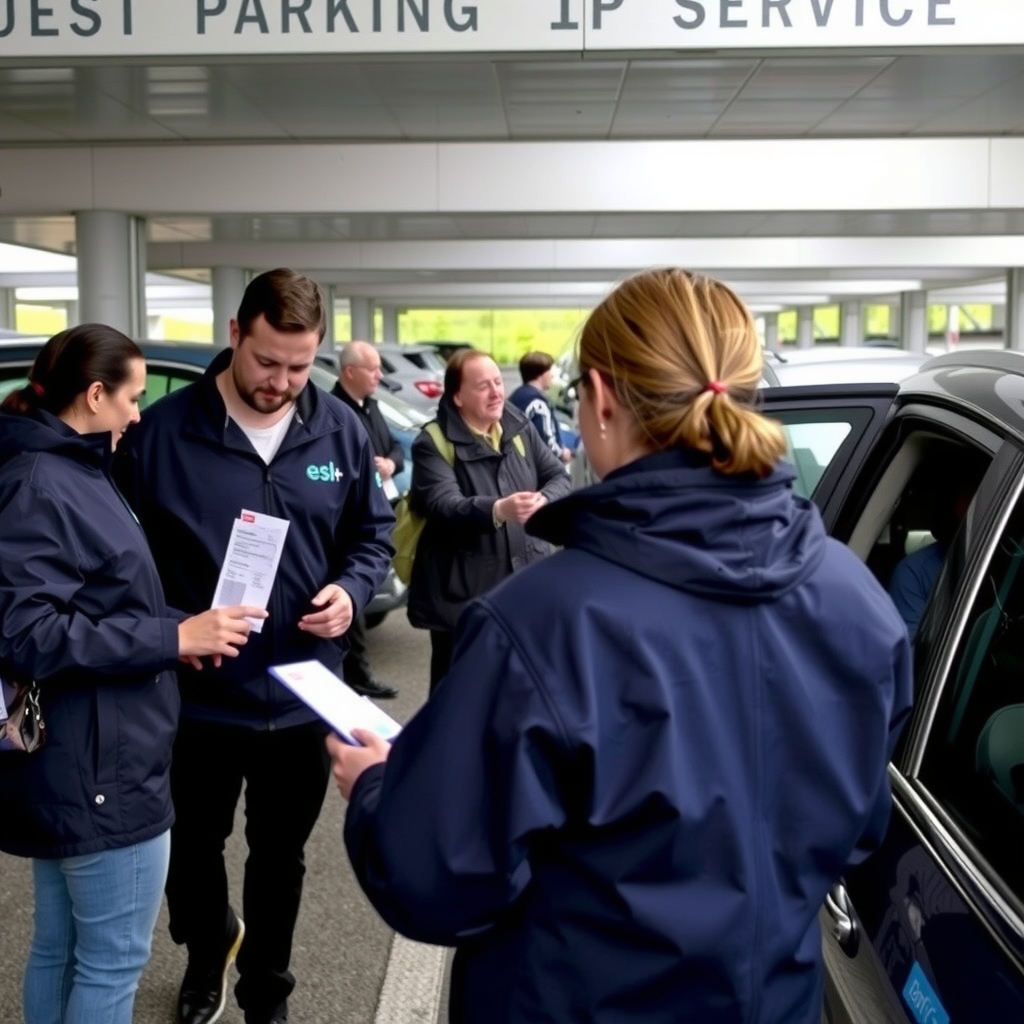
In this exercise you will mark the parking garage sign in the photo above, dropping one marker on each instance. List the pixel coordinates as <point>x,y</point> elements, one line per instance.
<point>183,28</point>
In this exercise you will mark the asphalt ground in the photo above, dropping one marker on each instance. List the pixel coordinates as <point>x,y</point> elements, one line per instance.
<point>342,952</point>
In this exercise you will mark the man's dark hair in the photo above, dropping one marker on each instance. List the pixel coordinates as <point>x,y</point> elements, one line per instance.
<point>287,300</point>
<point>534,365</point>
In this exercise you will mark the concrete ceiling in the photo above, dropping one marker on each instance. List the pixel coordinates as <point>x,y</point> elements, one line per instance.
<point>781,102</point>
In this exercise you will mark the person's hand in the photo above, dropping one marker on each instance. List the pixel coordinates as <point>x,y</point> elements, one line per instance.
<point>335,617</point>
<point>567,455</point>
<point>218,632</point>
<point>348,762</point>
<point>518,507</point>
<point>385,466</point>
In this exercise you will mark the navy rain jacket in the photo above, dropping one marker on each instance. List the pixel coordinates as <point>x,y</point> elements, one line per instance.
<point>654,753</point>
<point>191,471</point>
<point>82,611</point>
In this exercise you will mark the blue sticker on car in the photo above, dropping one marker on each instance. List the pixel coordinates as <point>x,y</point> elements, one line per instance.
<point>921,998</point>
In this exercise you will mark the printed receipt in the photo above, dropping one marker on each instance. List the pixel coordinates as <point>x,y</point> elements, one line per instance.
<point>250,565</point>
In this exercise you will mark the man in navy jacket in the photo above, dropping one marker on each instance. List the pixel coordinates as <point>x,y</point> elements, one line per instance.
<point>255,434</point>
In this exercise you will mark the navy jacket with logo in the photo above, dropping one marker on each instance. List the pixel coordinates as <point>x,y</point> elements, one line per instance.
<point>81,611</point>
<point>654,753</point>
<point>192,471</point>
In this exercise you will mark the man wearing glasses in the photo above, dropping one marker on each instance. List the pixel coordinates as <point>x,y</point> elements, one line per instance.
<point>359,374</point>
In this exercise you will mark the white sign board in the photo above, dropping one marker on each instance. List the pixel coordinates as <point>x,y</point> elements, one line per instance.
<point>185,28</point>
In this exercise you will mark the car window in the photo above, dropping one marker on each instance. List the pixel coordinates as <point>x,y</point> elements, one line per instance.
<point>426,360</point>
<point>813,439</point>
<point>974,759</point>
<point>162,381</point>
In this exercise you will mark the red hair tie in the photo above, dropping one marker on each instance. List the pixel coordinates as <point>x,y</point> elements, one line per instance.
<point>717,387</point>
<point>38,388</point>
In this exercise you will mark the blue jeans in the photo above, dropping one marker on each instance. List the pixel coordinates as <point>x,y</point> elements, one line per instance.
<point>94,920</point>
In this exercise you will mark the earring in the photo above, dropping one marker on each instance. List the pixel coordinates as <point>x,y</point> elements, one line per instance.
<point>603,430</point>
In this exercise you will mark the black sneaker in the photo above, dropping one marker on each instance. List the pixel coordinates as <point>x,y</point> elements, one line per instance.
<point>204,988</point>
<point>369,687</point>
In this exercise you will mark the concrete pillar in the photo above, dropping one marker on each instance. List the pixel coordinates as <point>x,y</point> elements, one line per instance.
<point>1014,330</point>
<point>111,270</point>
<point>71,312</point>
<point>850,330</point>
<point>805,327</point>
<point>8,309</point>
<point>771,331</point>
<point>914,321</point>
<point>140,310</point>
<point>227,286</point>
<point>328,344</point>
<point>389,318</point>
<point>362,318</point>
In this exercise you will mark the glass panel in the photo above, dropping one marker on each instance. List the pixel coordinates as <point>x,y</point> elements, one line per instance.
<point>974,762</point>
<point>813,438</point>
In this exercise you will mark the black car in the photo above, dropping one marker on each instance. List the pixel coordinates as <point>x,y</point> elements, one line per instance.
<point>930,929</point>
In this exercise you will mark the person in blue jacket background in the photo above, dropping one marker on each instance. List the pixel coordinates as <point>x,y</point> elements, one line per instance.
<point>536,370</point>
<point>255,434</point>
<point>83,613</point>
<point>657,749</point>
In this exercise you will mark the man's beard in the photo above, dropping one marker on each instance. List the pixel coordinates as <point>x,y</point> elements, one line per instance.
<point>261,402</point>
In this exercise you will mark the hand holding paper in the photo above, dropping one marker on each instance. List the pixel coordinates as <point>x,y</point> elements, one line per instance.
<point>337,704</point>
<point>218,632</point>
<point>250,564</point>
<point>348,762</point>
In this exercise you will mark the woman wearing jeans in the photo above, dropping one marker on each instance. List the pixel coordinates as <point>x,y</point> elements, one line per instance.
<point>82,612</point>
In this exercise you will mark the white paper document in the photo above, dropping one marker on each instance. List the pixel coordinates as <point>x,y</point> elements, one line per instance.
<point>250,565</point>
<point>334,701</point>
<point>390,490</point>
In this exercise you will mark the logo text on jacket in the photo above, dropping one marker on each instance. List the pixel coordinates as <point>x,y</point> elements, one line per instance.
<point>325,473</point>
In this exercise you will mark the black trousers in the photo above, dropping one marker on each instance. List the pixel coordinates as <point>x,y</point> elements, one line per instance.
<point>356,668</point>
<point>442,645</point>
<point>285,773</point>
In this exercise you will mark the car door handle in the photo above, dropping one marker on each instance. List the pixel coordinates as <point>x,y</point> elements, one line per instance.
<point>843,925</point>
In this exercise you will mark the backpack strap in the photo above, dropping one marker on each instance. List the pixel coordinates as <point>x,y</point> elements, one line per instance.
<point>441,443</point>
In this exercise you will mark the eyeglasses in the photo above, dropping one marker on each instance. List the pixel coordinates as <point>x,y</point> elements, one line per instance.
<point>572,389</point>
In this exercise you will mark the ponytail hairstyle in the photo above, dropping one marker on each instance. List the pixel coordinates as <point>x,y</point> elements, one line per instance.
<point>68,363</point>
<point>682,355</point>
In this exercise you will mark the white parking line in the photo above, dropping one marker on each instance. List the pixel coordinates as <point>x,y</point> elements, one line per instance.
<point>413,983</point>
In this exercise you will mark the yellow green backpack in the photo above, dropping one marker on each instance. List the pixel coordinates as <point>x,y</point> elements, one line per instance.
<point>408,524</point>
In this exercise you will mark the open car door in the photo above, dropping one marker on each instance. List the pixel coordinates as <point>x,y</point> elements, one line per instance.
<point>829,431</point>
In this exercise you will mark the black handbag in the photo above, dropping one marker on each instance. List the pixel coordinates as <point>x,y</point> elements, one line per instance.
<point>22,728</point>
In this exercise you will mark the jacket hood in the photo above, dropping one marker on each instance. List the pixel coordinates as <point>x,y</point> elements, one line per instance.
<point>43,432</point>
<point>672,518</point>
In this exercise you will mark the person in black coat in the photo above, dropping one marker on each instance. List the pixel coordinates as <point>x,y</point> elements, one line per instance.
<point>476,508</point>
<point>83,614</point>
<point>358,377</point>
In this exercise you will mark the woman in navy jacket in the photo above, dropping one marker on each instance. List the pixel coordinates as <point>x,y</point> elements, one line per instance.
<point>82,612</point>
<point>656,750</point>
